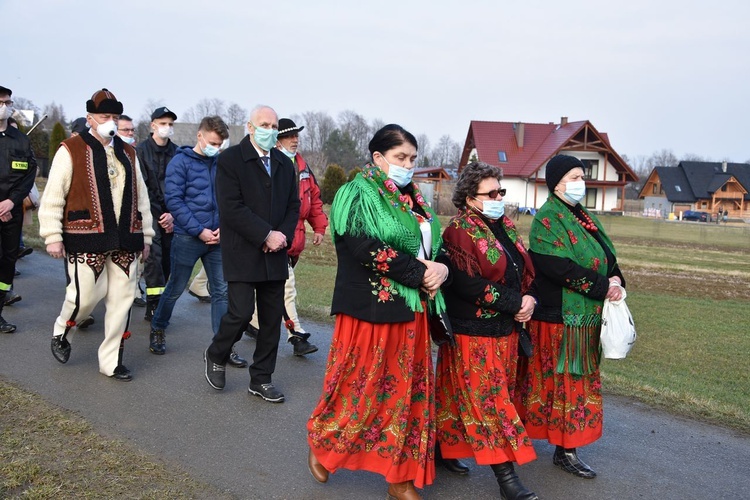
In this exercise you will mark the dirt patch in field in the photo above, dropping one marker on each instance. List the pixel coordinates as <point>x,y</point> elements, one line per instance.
<point>688,284</point>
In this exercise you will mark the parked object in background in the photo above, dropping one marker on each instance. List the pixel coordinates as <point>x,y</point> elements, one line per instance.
<point>696,216</point>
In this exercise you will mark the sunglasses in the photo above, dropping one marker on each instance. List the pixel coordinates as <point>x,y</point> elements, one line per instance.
<point>493,194</point>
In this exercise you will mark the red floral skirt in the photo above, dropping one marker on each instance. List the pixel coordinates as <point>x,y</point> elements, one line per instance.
<point>377,409</point>
<point>474,402</point>
<point>564,409</point>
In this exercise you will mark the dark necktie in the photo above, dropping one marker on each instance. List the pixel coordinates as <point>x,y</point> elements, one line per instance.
<point>267,164</point>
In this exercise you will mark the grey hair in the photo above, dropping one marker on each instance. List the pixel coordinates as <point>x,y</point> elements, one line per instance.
<point>468,182</point>
<point>256,109</point>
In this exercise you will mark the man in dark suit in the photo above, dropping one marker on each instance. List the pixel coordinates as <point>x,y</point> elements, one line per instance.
<point>256,189</point>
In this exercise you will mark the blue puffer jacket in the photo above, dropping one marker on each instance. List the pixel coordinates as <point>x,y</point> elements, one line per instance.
<point>189,192</point>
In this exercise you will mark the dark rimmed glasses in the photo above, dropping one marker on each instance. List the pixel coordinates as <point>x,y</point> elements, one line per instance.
<point>493,194</point>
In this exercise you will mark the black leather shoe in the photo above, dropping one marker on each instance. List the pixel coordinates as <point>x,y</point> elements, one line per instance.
<point>267,392</point>
<point>151,305</point>
<point>451,464</point>
<point>139,302</point>
<point>6,327</point>
<point>61,349</point>
<point>301,345</point>
<point>567,460</point>
<point>236,360</point>
<point>12,297</point>
<point>122,374</point>
<point>215,374</point>
<point>86,322</point>
<point>252,332</point>
<point>24,251</point>
<point>157,344</point>
<point>206,299</point>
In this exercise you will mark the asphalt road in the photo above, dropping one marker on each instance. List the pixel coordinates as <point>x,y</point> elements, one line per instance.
<point>257,450</point>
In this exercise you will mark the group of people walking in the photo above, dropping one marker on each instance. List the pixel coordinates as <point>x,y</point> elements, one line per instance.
<point>524,360</point>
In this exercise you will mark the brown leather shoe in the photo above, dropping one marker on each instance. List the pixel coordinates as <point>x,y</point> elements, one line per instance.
<point>402,491</point>
<point>319,473</point>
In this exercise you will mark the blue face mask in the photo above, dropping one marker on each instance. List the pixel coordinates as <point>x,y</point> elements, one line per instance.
<point>209,149</point>
<point>265,138</point>
<point>493,209</point>
<point>288,153</point>
<point>398,174</point>
<point>575,191</point>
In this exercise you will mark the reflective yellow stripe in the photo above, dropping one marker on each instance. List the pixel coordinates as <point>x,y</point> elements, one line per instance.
<point>4,287</point>
<point>155,291</point>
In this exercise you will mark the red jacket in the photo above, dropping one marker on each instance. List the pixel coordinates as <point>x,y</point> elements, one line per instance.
<point>311,207</point>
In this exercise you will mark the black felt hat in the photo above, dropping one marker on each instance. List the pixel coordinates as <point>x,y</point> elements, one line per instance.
<point>557,167</point>
<point>104,101</point>
<point>287,127</point>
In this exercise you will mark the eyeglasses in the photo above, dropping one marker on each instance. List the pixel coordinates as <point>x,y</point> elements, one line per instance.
<point>126,130</point>
<point>493,194</point>
<point>8,103</point>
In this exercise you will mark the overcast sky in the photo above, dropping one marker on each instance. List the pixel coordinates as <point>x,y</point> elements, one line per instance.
<point>653,74</point>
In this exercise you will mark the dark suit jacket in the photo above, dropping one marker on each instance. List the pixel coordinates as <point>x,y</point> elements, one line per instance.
<point>251,204</point>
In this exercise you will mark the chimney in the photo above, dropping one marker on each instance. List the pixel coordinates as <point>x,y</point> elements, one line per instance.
<point>724,167</point>
<point>518,129</point>
<point>563,121</point>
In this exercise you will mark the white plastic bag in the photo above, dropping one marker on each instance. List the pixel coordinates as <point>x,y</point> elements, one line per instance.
<point>618,329</point>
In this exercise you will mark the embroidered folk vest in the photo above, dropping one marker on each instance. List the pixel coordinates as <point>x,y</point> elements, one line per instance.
<point>89,222</point>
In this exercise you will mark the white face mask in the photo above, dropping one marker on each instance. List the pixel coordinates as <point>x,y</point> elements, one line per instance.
<point>165,131</point>
<point>127,140</point>
<point>288,153</point>
<point>5,112</point>
<point>106,129</point>
<point>575,191</point>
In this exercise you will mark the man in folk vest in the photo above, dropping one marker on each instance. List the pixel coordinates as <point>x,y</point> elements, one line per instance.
<point>95,213</point>
<point>310,211</point>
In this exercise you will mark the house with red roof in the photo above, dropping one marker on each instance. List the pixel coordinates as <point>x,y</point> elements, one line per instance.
<point>522,151</point>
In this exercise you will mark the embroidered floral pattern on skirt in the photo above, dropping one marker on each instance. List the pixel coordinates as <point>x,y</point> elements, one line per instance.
<point>376,412</point>
<point>564,409</point>
<point>476,417</point>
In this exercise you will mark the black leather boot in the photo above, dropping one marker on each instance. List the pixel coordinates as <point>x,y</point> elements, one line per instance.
<point>157,343</point>
<point>451,464</point>
<point>5,327</point>
<point>510,486</point>
<point>152,302</point>
<point>567,459</point>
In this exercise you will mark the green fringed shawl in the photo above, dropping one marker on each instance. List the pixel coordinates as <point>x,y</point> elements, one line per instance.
<point>372,206</point>
<point>556,231</point>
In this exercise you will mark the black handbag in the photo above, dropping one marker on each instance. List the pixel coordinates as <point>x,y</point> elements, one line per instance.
<point>440,329</point>
<point>525,347</point>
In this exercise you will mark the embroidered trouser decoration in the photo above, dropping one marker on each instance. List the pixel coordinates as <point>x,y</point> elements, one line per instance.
<point>92,277</point>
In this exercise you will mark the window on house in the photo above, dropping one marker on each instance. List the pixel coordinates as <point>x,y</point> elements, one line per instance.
<point>502,157</point>
<point>655,189</point>
<point>724,188</point>
<point>590,201</point>
<point>704,204</point>
<point>590,169</point>
<point>678,189</point>
<point>661,189</point>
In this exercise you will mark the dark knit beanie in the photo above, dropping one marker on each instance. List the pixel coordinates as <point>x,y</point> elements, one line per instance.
<point>104,101</point>
<point>78,125</point>
<point>557,167</point>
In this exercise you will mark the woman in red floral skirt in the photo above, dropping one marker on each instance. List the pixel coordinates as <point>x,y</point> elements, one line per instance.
<point>376,412</point>
<point>559,393</point>
<point>487,302</point>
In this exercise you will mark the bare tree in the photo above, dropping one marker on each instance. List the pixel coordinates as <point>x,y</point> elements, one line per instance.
<point>663,158</point>
<point>205,107</point>
<point>692,157</point>
<point>356,126</point>
<point>55,114</point>
<point>142,124</point>
<point>23,104</point>
<point>447,153</point>
<point>236,115</point>
<point>318,127</point>
<point>424,158</point>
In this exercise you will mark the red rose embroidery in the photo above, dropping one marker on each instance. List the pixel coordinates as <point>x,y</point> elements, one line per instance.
<point>382,256</point>
<point>384,296</point>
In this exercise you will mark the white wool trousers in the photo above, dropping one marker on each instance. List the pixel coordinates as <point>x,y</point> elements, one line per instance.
<point>111,276</point>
